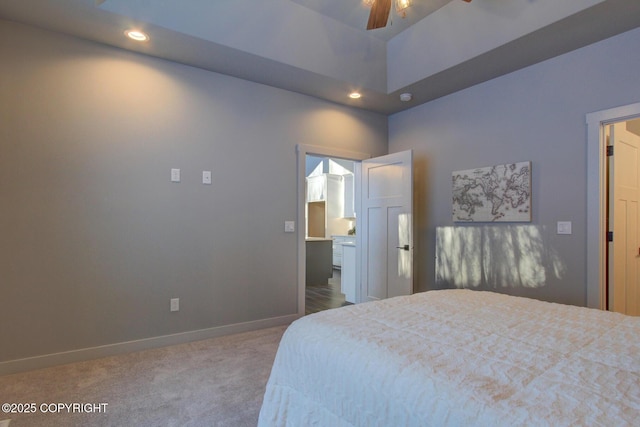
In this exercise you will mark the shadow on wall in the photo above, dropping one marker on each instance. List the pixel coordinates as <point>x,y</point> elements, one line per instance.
<point>495,257</point>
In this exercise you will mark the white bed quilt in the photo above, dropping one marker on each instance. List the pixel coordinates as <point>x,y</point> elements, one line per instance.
<point>456,358</point>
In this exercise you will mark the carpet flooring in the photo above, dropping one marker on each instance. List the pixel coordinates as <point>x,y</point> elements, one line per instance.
<point>214,382</point>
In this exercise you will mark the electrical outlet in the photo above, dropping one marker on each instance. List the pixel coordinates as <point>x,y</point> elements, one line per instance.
<point>175,304</point>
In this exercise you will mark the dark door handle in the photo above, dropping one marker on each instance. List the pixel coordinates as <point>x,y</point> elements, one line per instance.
<point>405,247</point>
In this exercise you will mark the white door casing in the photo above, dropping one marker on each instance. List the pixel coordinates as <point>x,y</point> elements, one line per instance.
<point>385,225</point>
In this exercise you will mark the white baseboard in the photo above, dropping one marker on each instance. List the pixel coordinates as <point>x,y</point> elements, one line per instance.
<point>48,360</point>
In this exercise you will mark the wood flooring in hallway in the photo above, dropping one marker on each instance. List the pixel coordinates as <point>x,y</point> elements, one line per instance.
<point>325,296</point>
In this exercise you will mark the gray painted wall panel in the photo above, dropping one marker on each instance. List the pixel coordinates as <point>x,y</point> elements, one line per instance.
<point>535,114</point>
<point>96,239</point>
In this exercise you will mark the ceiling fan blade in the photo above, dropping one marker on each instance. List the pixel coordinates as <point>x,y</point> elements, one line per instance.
<point>379,14</point>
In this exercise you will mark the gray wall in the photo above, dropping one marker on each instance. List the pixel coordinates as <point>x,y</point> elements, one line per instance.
<point>535,114</point>
<point>95,239</point>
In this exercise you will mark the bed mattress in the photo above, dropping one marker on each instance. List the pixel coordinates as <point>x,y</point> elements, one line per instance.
<point>454,358</point>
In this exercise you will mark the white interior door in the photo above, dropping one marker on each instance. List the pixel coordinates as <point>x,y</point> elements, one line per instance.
<point>624,251</point>
<point>386,221</point>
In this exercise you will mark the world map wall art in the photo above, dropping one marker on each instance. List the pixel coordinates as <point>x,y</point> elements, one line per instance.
<point>499,193</point>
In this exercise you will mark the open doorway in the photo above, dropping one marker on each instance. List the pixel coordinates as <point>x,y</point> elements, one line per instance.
<point>321,152</point>
<point>383,252</point>
<point>330,233</point>
<point>623,217</point>
<point>601,217</point>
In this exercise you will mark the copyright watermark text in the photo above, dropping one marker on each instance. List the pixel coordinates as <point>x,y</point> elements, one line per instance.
<point>54,408</point>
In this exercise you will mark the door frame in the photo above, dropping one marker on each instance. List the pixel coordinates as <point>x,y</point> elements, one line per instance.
<point>302,150</point>
<point>597,198</point>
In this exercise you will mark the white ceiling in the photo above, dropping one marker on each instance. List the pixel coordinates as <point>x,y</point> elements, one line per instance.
<point>320,48</point>
<point>355,14</point>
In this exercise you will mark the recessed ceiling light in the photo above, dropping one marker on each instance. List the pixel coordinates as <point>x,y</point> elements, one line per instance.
<point>137,35</point>
<point>355,95</point>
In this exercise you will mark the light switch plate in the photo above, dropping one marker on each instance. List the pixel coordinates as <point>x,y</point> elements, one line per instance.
<point>289,226</point>
<point>175,175</point>
<point>206,177</point>
<point>564,227</point>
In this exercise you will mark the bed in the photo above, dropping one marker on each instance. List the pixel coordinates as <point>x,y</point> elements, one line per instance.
<point>456,358</point>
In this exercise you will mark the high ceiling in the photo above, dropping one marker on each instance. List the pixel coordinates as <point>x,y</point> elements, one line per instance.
<point>355,14</point>
<point>320,47</point>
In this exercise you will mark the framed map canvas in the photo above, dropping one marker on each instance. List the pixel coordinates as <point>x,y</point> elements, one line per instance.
<point>499,193</point>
